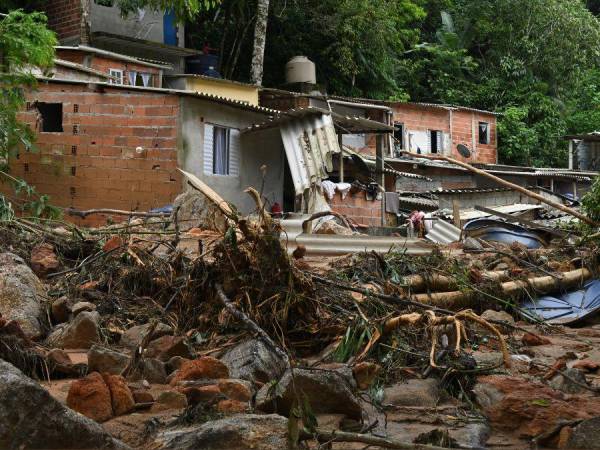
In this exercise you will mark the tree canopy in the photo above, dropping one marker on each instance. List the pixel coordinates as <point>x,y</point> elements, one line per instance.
<point>534,61</point>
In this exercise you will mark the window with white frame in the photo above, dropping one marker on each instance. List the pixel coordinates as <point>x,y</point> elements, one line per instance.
<point>484,133</point>
<point>221,150</point>
<point>116,76</point>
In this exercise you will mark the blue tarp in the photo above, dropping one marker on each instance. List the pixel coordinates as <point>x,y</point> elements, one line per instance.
<point>567,308</point>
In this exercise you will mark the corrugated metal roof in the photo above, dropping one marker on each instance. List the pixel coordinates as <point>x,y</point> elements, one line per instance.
<point>347,124</point>
<point>419,201</point>
<point>443,232</point>
<point>309,144</point>
<point>211,97</point>
<point>119,56</point>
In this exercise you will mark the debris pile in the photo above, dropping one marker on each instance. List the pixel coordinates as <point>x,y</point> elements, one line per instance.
<point>217,337</point>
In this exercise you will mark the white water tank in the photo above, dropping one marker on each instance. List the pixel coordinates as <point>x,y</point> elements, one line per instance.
<point>300,69</point>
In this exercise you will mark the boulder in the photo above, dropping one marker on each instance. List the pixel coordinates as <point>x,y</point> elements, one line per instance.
<point>43,259</point>
<point>175,363</point>
<point>165,347</point>
<point>327,391</point>
<point>105,360</point>
<point>365,373</point>
<point>59,362</point>
<point>21,295</point>
<point>193,210</point>
<point>169,400</point>
<point>566,385</point>
<point>586,435</point>
<point>82,306</point>
<point>142,396</point>
<point>121,397</point>
<point>413,393</point>
<point>229,406</point>
<point>240,390</point>
<point>203,368</point>
<point>153,370</point>
<point>239,432</point>
<point>532,339</point>
<point>252,360</point>
<point>81,332</point>
<point>132,338</point>
<point>31,418</point>
<point>90,396</point>
<point>61,309</point>
<point>201,394</point>
<point>529,408</point>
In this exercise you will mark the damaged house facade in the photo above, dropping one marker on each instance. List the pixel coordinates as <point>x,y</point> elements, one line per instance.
<point>114,128</point>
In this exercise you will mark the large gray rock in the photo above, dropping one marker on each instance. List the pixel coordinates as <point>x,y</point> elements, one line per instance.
<point>252,360</point>
<point>240,432</point>
<point>567,386</point>
<point>413,393</point>
<point>193,210</point>
<point>327,391</point>
<point>586,435</point>
<point>21,294</point>
<point>81,332</point>
<point>31,418</point>
<point>102,359</point>
<point>132,337</point>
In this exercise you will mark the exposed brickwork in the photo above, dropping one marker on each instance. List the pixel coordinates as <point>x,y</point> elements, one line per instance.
<point>464,130</point>
<point>64,18</point>
<point>104,64</point>
<point>358,208</point>
<point>93,163</point>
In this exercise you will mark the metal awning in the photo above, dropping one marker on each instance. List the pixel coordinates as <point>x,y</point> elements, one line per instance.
<point>344,124</point>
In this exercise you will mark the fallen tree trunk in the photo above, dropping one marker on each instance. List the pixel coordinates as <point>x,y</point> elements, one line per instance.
<point>114,212</point>
<point>437,282</point>
<point>540,285</point>
<point>516,187</point>
<point>344,436</point>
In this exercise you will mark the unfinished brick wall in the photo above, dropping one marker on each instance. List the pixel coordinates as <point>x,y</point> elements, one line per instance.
<point>465,130</point>
<point>64,18</point>
<point>93,163</point>
<point>104,64</point>
<point>358,208</point>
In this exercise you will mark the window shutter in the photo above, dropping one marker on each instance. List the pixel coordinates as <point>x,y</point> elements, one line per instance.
<point>208,149</point>
<point>234,152</point>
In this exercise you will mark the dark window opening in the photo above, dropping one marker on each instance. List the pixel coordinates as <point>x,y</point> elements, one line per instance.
<point>51,117</point>
<point>108,3</point>
<point>398,137</point>
<point>484,133</point>
<point>221,151</point>
<point>435,137</point>
<point>75,108</point>
<point>73,150</point>
<point>73,170</point>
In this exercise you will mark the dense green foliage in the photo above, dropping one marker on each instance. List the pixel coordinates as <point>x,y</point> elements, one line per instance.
<point>591,201</point>
<point>25,43</point>
<point>536,61</point>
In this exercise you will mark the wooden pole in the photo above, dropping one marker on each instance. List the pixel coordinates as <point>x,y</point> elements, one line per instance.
<point>510,185</point>
<point>456,214</point>
<point>380,175</point>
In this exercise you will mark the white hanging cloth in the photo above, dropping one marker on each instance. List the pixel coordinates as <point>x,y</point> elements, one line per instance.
<point>146,78</point>
<point>132,75</point>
